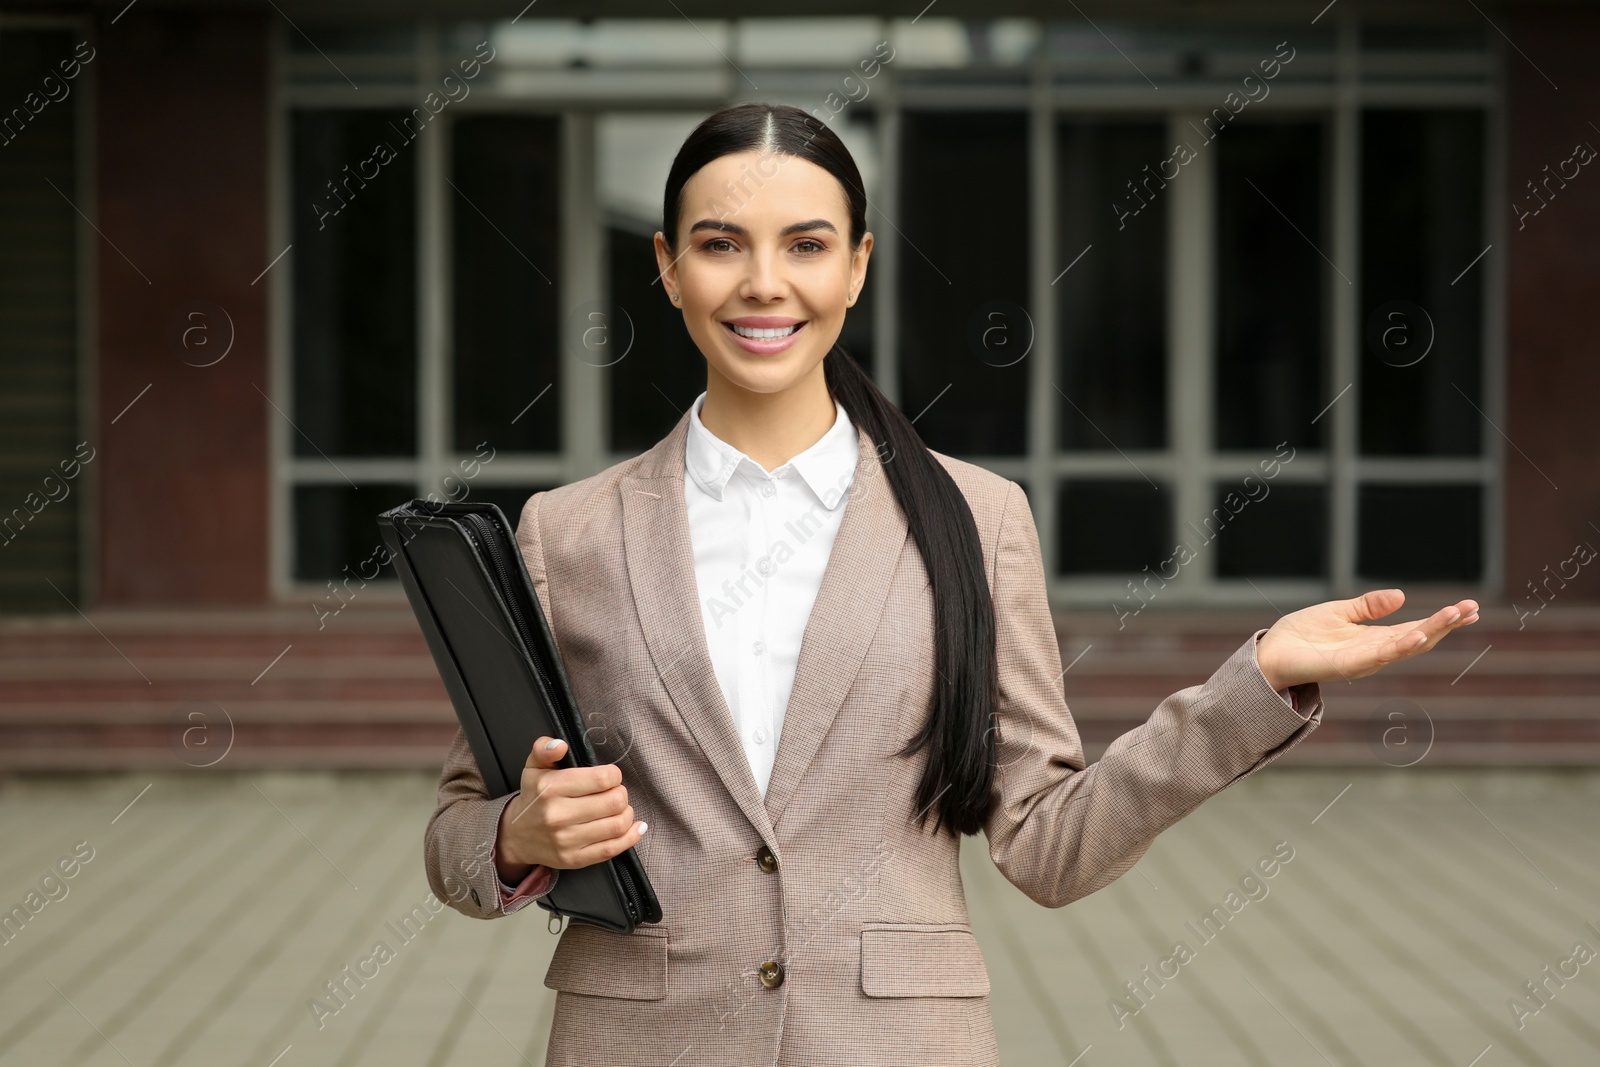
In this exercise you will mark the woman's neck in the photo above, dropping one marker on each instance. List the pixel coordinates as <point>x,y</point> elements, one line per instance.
<point>770,428</point>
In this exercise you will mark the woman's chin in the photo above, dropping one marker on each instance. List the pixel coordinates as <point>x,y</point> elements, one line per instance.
<point>757,375</point>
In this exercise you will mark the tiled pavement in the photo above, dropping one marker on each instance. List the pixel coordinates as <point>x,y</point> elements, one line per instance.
<point>1405,913</point>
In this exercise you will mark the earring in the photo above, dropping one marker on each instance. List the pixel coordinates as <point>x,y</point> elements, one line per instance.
<point>676,298</point>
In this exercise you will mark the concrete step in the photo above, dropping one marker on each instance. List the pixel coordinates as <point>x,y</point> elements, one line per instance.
<point>271,687</point>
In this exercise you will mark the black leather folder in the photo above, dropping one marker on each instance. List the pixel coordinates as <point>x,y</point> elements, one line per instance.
<point>465,579</point>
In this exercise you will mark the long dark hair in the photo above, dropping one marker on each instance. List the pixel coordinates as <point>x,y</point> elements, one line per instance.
<point>959,730</point>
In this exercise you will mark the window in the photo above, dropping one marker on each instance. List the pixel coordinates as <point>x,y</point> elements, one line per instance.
<point>506,282</point>
<point>1270,376</point>
<point>371,427</point>
<point>1271,352</point>
<point>964,280</point>
<point>1113,317</point>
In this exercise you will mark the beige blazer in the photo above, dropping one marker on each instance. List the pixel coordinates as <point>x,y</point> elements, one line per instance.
<point>858,916</point>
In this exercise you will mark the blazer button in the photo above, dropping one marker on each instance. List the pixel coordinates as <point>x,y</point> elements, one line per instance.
<point>767,860</point>
<point>771,974</point>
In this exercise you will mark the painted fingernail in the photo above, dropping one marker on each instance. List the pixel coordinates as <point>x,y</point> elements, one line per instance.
<point>1454,619</point>
<point>643,826</point>
<point>552,743</point>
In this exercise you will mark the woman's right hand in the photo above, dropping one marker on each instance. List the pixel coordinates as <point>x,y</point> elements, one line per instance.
<point>564,817</point>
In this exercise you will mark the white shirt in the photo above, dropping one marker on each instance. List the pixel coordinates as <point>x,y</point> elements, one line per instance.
<point>761,543</point>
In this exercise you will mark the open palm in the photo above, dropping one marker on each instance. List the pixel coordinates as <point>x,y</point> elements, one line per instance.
<point>1331,640</point>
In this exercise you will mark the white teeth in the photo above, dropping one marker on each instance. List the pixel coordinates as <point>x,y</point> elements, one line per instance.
<point>764,335</point>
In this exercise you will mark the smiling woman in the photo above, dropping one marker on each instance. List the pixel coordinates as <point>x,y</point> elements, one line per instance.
<point>807,758</point>
<point>720,269</point>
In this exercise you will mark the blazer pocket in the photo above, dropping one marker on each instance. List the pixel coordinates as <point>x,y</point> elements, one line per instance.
<point>921,960</point>
<point>600,963</point>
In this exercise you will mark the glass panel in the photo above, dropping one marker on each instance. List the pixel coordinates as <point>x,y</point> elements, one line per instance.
<point>1113,302</point>
<point>542,42</point>
<point>1464,37</point>
<point>1272,331</point>
<point>370,39</point>
<point>336,533</point>
<point>820,42</point>
<point>1112,527</point>
<point>355,279</point>
<point>505,200</point>
<point>43,474</point>
<point>1279,531</point>
<point>1421,291</point>
<point>935,42</point>
<point>1387,517</point>
<point>1155,54</point>
<point>964,325</point>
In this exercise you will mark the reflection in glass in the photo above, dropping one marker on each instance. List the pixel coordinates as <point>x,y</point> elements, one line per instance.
<point>824,43</point>
<point>932,42</point>
<point>538,42</point>
<point>1155,54</point>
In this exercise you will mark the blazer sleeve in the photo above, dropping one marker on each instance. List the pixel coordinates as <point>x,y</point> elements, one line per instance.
<point>1058,829</point>
<point>458,847</point>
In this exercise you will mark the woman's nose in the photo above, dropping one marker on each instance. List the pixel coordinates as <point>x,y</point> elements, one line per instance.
<point>764,280</point>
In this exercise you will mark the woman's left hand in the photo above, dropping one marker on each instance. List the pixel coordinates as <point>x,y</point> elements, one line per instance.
<point>1328,640</point>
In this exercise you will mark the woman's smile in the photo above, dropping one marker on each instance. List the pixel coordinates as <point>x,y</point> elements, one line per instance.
<point>764,335</point>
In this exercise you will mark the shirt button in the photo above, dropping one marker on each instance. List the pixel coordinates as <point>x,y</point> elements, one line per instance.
<point>764,565</point>
<point>760,737</point>
<point>768,489</point>
<point>759,647</point>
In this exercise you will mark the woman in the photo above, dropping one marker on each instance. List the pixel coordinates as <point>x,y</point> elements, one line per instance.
<point>791,561</point>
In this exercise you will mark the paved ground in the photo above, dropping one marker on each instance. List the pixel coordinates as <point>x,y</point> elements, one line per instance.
<point>1412,907</point>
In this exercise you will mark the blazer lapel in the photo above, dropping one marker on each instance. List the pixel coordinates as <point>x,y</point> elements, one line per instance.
<point>850,601</point>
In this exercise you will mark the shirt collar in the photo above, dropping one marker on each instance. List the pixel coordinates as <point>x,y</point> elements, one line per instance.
<point>827,467</point>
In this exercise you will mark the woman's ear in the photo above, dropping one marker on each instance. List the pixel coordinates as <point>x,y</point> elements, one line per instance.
<point>666,267</point>
<point>858,268</point>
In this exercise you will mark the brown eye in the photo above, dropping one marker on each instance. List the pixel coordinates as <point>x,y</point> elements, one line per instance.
<point>710,245</point>
<point>816,246</point>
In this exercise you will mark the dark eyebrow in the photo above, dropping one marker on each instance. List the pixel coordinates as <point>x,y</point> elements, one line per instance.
<point>734,228</point>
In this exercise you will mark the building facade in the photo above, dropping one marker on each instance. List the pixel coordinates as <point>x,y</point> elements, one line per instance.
<point>1254,307</point>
